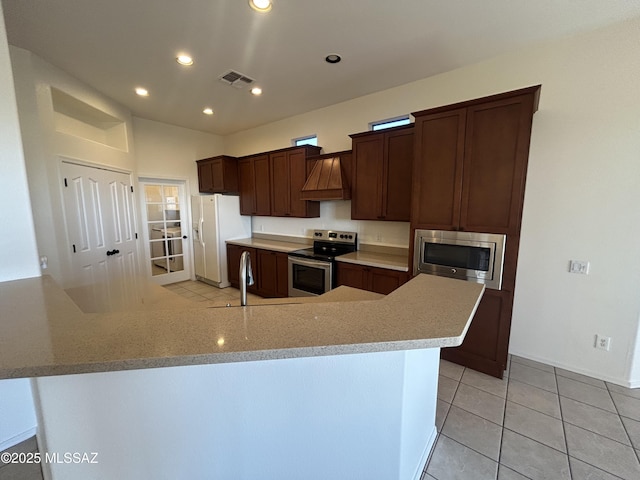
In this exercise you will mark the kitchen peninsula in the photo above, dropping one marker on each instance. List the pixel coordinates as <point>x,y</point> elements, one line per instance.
<point>341,386</point>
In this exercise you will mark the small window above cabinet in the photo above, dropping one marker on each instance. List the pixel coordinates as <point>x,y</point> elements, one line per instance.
<point>218,175</point>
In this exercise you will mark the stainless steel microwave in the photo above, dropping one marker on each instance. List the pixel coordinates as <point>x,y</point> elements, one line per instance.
<point>476,257</point>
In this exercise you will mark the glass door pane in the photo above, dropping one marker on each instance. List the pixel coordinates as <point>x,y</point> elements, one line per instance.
<point>165,239</point>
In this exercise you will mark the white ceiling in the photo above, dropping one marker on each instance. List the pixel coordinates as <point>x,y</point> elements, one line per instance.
<point>116,45</point>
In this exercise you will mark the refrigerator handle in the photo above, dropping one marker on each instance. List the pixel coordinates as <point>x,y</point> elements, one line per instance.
<point>201,226</point>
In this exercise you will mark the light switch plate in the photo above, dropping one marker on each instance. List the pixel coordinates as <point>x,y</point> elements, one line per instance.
<point>579,266</point>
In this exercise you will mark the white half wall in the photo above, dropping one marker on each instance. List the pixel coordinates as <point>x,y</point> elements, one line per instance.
<point>369,415</point>
<point>582,192</point>
<point>19,251</point>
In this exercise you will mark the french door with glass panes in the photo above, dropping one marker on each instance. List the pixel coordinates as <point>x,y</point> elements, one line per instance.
<point>165,214</point>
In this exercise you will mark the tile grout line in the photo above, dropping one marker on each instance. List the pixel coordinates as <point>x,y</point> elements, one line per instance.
<point>636,453</point>
<point>504,416</point>
<point>439,433</point>
<point>564,430</point>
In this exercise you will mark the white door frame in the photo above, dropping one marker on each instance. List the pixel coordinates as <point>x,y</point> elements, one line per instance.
<point>185,224</point>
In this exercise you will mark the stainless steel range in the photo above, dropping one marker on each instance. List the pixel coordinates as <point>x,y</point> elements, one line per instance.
<point>312,270</point>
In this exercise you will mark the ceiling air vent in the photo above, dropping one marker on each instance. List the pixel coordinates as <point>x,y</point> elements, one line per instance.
<point>235,79</point>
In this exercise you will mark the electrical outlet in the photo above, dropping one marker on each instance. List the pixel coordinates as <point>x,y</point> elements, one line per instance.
<point>602,343</point>
<point>579,266</point>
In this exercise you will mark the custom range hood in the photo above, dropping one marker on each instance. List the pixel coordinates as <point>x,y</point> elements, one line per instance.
<point>330,177</point>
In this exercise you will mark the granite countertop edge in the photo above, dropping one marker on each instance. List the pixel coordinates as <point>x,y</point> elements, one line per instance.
<point>49,335</point>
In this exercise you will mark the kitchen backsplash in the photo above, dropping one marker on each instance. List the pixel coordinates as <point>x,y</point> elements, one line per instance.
<point>336,215</point>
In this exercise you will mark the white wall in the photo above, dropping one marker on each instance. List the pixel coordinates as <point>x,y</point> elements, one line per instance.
<point>369,415</point>
<point>19,251</point>
<point>582,188</point>
<point>332,125</point>
<point>44,147</point>
<point>167,151</point>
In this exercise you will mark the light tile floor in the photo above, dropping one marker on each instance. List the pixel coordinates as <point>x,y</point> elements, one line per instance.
<point>539,422</point>
<point>202,292</point>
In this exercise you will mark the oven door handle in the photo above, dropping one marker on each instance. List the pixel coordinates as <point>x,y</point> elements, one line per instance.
<point>310,263</point>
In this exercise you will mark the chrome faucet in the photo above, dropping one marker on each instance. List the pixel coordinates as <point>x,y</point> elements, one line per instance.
<point>246,277</point>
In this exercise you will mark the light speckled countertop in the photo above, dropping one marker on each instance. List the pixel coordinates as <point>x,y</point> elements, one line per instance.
<point>43,332</point>
<point>374,259</point>
<point>361,257</point>
<point>275,245</point>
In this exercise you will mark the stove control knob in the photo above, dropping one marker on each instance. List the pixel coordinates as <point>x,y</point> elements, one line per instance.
<point>350,237</point>
<point>341,236</point>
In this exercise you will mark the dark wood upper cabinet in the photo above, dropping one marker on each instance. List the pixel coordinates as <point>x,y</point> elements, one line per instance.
<point>469,174</point>
<point>254,185</point>
<point>289,169</point>
<point>381,174</point>
<point>470,163</point>
<point>218,175</point>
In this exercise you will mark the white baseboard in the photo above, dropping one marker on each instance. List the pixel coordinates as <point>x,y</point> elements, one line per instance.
<point>618,381</point>
<point>13,441</point>
<point>426,454</point>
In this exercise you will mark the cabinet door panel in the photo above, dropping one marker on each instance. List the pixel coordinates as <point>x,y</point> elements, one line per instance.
<point>397,190</point>
<point>246,185</point>
<point>234,252</point>
<point>266,269</point>
<point>262,185</point>
<point>367,172</point>
<point>280,184</point>
<point>492,166</point>
<point>485,345</point>
<point>351,275</point>
<point>282,269</point>
<point>437,170</point>
<point>297,178</point>
<point>205,177</point>
<point>385,281</point>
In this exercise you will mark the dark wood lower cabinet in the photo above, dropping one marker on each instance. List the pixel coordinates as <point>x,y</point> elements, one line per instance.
<point>234,252</point>
<point>373,279</point>
<point>485,347</point>
<point>270,270</point>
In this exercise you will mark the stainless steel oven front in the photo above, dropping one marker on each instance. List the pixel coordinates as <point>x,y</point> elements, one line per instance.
<point>309,277</point>
<point>476,257</point>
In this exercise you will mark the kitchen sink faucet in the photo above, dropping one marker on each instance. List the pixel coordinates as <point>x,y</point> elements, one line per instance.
<point>246,277</point>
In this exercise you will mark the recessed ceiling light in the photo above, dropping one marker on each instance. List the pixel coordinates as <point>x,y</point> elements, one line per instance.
<point>256,91</point>
<point>143,92</point>
<point>332,58</point>
<point>208,111</point>
<point>184,60</point>
<point>260,5</point>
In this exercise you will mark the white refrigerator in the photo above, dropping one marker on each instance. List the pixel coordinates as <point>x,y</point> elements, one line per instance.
<point>216,219</point>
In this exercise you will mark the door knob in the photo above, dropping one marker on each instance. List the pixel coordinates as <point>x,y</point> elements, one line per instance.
<point>112,252</point>
<point>184,237</point>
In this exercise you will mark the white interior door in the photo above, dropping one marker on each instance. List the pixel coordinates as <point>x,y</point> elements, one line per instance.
<point>165,215</point>
<point>100,218</point>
